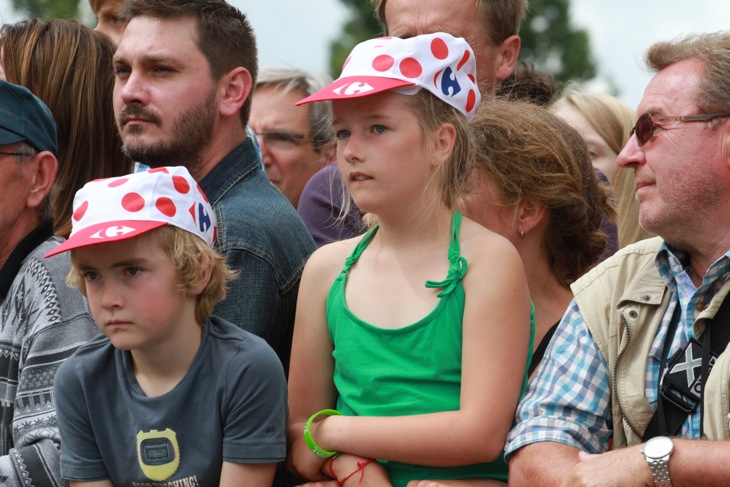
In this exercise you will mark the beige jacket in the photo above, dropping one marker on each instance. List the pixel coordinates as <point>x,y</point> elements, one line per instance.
<point>623,301</point>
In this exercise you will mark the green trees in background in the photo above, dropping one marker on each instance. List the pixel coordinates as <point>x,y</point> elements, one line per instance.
<point>548,39</point>
<point>362,25</point>
<point>48,9</point>
<point>553,44</point>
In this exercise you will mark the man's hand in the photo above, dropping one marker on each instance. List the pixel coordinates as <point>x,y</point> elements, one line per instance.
<point>457,483</point>
<point>626,467</point>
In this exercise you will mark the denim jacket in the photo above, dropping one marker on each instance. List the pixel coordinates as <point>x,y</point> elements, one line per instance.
<point>264,239</point>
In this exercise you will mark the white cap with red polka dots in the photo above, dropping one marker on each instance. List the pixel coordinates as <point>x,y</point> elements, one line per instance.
<point>113,209</point>
<point>440,63</point>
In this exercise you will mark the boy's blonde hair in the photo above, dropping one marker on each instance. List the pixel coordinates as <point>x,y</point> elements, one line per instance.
<point>190,256</point>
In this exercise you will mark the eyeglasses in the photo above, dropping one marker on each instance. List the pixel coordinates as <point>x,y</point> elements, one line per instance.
<point>645,126</point>
<point>17,154</point>
<point>281,139</point>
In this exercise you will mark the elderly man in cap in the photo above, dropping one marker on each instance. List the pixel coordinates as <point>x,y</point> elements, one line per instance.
<point>42,321</point>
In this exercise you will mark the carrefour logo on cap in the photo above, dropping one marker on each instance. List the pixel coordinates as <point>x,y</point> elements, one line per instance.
<point>449,84</point>
<point>112,232</point>
<point>352,89</point>
<point>204,220</point>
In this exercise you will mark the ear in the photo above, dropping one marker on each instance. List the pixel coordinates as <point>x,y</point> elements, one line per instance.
<point>198,286</point>
<point>444,139</point>
<point>529,215</point>
<point>235,87</point>
<point>45,167</point>
<point>507,56</point>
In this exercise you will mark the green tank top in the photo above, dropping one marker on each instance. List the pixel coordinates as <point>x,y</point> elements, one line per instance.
<point>411,370</point>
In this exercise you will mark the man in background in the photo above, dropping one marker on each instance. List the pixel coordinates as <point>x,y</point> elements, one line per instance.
<point>42,320</point>
<point>293,139</point>
<point>109,19</point>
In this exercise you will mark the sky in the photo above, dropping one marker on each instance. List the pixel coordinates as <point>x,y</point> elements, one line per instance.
<point>298,32</point>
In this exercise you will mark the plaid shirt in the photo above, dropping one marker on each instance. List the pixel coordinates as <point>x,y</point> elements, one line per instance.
<point>569,399</point>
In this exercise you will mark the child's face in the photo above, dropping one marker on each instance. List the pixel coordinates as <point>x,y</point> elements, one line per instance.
<point>381,151</point>
<point>131,286</point>
<point>109,20</point>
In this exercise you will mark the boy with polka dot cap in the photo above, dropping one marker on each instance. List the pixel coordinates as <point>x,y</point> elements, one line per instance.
<point>141,247</point>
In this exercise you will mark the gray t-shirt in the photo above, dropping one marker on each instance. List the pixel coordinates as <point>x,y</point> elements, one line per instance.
<point>230,406</point>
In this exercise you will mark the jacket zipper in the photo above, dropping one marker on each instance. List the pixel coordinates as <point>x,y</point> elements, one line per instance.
<point>615,375</point>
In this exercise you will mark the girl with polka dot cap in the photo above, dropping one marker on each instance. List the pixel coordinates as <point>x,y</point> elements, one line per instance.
<point>168,393</point>
<point>410,342</point>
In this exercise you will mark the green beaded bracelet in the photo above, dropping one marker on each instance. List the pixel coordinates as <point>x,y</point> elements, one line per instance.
<point>308,434</point>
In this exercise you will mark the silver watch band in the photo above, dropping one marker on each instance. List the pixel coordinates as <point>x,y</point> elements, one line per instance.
<point>660,471</point>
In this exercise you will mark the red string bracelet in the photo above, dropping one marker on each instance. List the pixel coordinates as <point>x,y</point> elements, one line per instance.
<point>360,468</point>
<point>330,470</point>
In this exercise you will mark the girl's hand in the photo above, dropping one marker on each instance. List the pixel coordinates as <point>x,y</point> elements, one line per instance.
<point>356,471</point>
<point>302,461</point>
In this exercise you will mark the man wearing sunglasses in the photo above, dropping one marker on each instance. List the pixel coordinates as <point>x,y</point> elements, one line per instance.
<point>638,364</point>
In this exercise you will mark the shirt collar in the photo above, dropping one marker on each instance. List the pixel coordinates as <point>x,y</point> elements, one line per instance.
<point>673,265</point>
<point>242,162</point>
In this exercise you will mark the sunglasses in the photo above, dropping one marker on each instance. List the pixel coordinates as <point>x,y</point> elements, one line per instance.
<point>645,126</point>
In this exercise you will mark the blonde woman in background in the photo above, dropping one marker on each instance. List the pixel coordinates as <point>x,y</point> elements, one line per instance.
<point>605,124</point>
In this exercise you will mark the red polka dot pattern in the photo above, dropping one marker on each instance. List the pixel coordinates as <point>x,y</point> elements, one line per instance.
<point>463,61</point>
<point>180,184</point>
<point>81,211</point>
<point>383,63</point>
<point>442,64</point>
<point>132,202</point>
<point>439,49</point>
<point>124,207</point>
<point>471,100</point>
<point>166,206</point>
<point>410,68</point>
<point>118,182</point>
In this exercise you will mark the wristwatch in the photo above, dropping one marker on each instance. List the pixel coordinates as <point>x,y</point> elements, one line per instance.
<point>657,451</point>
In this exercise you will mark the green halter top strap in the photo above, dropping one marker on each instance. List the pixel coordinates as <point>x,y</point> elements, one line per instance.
<point>359,249</point>
<point>457,267</point>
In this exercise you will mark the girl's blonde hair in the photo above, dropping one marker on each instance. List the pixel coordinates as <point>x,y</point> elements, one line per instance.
<point>191,257</point>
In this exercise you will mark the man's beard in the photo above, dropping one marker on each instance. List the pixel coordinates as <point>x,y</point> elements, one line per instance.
<point>191,134</point>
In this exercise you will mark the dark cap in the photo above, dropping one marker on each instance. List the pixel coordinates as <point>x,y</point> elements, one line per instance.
<point>25,118</point>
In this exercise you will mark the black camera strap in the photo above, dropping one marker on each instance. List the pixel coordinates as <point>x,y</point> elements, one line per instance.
<point>675,402</point>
